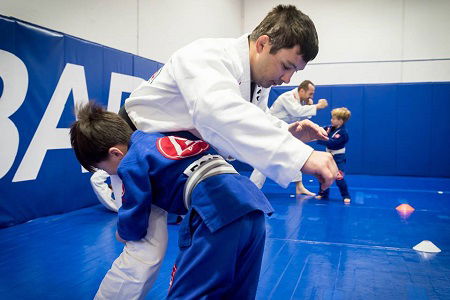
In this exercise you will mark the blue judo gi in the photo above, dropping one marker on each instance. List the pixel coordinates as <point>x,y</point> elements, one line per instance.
<point>221,239</point>
<point>338,137</point>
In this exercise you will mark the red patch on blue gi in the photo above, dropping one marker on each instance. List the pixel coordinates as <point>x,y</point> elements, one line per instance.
<point>174,270</point>
<point>177,148</point>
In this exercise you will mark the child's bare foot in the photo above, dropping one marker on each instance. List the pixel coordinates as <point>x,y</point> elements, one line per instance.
<point>319,197</point>
<point>347,200</point>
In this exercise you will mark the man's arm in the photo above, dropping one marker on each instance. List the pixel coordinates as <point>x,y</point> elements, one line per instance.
<point>295,108</point>
<point>238,128</point>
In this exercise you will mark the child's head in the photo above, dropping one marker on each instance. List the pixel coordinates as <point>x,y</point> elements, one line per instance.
<point>339,116</point>
<point>99,138</point>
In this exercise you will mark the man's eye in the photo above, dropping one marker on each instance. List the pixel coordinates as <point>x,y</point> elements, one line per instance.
<point>285,67</point>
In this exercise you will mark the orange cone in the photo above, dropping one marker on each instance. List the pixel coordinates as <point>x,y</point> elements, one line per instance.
<point>405,210</point>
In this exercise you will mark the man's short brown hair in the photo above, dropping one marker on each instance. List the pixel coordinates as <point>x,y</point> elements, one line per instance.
<point>305,85</point>
<point>288,27</point>
<point>95,132</point>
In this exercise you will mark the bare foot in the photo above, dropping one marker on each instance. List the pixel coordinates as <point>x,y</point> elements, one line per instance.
<point>319,197</point>
<point>304,192</point>
<point>347,200</point>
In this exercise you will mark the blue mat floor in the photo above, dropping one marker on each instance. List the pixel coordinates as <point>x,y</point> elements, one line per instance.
<point>315,249</point>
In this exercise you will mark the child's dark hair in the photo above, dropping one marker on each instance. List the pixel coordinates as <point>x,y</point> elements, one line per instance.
<point>95,132</point>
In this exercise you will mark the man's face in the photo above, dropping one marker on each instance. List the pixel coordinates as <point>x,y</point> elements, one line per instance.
<point>274,69</point>
<point>309,94</point>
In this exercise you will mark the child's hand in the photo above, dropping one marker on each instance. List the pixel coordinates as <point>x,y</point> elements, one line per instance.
<point>119,238</point>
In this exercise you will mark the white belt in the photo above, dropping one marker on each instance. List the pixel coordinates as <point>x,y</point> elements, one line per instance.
<point>207,166</point>
<point>334,152</point>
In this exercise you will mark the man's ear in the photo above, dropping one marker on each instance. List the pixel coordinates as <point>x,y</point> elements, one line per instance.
<point>261,42</point>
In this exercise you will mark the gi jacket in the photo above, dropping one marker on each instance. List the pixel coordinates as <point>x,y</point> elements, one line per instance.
<point>152,173</point>
<point>206,86</point>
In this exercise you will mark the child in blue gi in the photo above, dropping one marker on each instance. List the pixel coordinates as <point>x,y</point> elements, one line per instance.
<point>337,138</point>
<point>221,239</point>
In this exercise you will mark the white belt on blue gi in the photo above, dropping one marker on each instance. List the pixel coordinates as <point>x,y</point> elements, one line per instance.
<point>207,166</point>
<point>334,152</point>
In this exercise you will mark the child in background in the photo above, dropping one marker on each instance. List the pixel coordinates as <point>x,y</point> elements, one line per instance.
<point>222,237</point>
<point>337,138</point>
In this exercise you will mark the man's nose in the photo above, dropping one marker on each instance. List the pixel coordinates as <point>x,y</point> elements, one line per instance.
<point>287,76</point>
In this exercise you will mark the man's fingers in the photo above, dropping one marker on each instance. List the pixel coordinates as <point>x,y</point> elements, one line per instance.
<point>322,134</point>
<point>329,173</point>
<point>326,179</point>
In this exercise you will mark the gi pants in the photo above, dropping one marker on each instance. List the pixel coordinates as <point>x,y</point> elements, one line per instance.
<point>340,160</point>
<point>224,264</point>
<point>135,270</point>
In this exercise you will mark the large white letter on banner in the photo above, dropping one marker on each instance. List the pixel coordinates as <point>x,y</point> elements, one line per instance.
<point>47,136</point>
<point>120,83</point>
<point>14,75</point>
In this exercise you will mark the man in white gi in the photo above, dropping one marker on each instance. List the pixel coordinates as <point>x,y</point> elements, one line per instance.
<point>292,106</point>
<point>219,87</point>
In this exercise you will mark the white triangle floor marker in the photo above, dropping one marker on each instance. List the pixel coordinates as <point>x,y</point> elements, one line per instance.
<point>426,246</point>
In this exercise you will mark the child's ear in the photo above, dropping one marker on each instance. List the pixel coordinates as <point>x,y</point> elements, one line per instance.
<point>115,152</point>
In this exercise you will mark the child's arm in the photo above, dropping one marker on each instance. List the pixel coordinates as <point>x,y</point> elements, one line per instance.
<point>336,141</point>
<point>136,201</point>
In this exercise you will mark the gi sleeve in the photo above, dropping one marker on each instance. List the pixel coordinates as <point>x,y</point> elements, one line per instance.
<point>295,109</point>
<point>229,122</point>
<point>337,141</point>
<point>136,201</point>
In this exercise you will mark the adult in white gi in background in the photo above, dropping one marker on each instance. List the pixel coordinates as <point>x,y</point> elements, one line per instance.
<point>294,105</point>
<point>219,88</point>
<point>104,192</point>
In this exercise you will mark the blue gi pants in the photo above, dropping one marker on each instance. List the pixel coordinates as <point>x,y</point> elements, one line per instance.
<point>222,265</point>
<point>342,185</point>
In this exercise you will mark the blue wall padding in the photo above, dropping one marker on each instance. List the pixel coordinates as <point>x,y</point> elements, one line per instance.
<point>395,129</point>
<point>440,129</point>
<point>414,122</point>
<point>60,185</point>
<point>379,145</point>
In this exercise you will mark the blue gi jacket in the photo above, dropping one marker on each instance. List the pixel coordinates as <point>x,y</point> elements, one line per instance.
<point>152,173</point>
<point>338,137</point>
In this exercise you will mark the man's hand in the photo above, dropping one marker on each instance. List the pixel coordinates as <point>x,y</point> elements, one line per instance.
<point>307,131</point>
<point>322,103</point>
<point>321,165</point>
<point>119,238</point>
<point>309,101</point>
